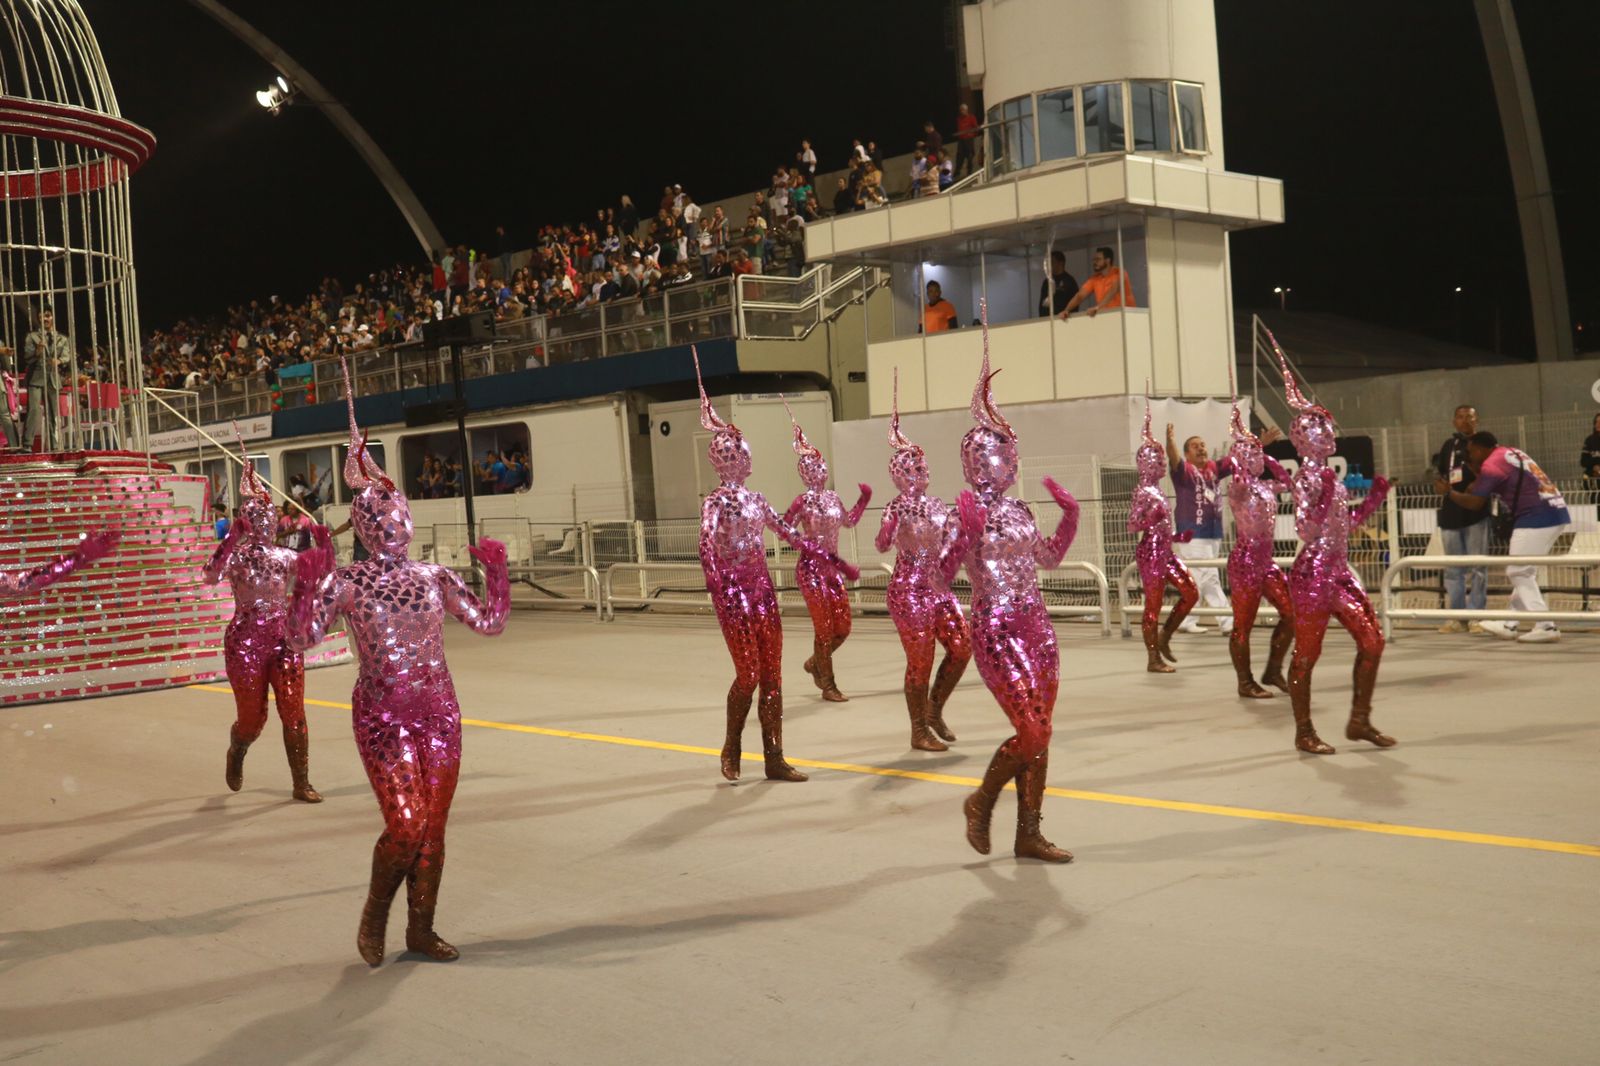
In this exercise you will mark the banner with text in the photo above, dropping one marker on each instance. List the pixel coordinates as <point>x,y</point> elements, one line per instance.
<point>173,440</point>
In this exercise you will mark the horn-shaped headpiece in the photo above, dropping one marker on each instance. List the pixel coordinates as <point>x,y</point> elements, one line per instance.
<point>984,412</point>
<point>1236,422</point>
<point>709,419</point>
<point>359,469</point>
<point>897,439</point>
<point>250,483</point>
<point>802,447</point>
<point>1291,388</point>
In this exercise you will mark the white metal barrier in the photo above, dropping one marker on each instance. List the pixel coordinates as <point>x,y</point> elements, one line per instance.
<point>1125,603</point>
<point>701,598</point>
<point>1440,562</point>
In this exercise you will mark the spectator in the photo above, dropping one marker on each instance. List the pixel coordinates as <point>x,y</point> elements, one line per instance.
<point>1589,458</point>
<point>844,201</point>
<point>1464,531</point>
<point>807,159</point>
<point>938,314</point>
<point>506,477</point>
<point>1195,481</point>
<point>220,523</point>
<point>931,138</point>
<point>794,239</point>
<point>1056,290</point>
<point>691,220</point>
<point>489,471</point>
<point>919,168</point>
<point>966,139</point>
<point>1538,515</point>
<point>742,263</point>
<point>1108,285</point>
<point>753,240</point>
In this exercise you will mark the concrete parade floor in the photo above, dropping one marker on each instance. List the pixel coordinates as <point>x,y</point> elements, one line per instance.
<point>1232,901</point>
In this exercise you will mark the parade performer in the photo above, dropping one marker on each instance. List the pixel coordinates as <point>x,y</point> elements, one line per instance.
<point>1251,571</point>
<point>92,546</point>
<point>1149,515</point>
<point>734,559</point>
<point>1015,642</point>
<point>406,717</point>
<point>256,644</point>
<point>818,514</point>
<point>924,610</point>
<point>1321,583</point>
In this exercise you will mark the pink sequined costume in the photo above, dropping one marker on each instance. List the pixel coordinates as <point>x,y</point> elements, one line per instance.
<point>925,611</point>
<point>1251,571</point>
<point>406,717</point>
<point>1149,515</point>
<point>1321,583</point>
<point>1015,642</point>
<point>93,546</point>
<point>734,559</point>
<point>256,644</point>
<point>819,514</point>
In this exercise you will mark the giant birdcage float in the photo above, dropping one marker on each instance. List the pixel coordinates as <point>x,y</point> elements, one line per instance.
<point>68,292</point>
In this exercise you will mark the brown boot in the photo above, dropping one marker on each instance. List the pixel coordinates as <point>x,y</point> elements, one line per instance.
<point>1282,637</point>
<point>422,897</point>
<point>922,737</point>
<point>979,807</point>
<point>1155,665</point>
<point>234,774</point>
<point>1361,728</point>
<point>1239,652</point>
<point>732,747</point>
<point>824,674</point>
<point>1305,734</point>
<point>944,683</point>
<point>386,878</point>
<point>1031,843</point>
<point>297,743</point>
<point>771,714</point>
<point>1164,644</point>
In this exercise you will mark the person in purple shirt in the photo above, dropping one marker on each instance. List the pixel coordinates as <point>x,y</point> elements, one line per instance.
<point>1195,478</point>
<point>1539,514</point>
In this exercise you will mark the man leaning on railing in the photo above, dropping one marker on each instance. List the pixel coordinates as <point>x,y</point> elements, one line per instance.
<point>1538,514</point>
<point>1462,530</point>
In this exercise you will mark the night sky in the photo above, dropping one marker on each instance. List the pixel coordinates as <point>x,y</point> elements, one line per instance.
<point>1379,116</point>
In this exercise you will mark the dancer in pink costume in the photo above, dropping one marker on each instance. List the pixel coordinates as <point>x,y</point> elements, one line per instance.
<point>1149,515</point>
<point>256,644</point>
<point>407,721</point>
<point>734,559</point>
<point>1251,571</point>
<point>1321,583</point>
<point>819,514</point>
<point>1015,643</point>
<point>96,545</point>
<point>924,610</point>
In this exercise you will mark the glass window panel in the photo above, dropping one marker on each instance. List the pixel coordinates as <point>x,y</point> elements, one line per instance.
<point>1152,116</point>
<point>1058,125</point>
<point>1103,124</point>
<point>1026,155</point>
<point>997,141</point>
<point>1191,118</point>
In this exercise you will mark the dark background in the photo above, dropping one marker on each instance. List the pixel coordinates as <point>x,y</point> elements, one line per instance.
<point>1379,116</point>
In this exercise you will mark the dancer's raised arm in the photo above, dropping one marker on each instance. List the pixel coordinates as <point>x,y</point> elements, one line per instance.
<point>488,615</point>
<point>1049,552</point>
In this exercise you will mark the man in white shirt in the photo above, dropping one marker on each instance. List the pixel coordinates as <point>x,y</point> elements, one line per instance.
<point>691,219</point>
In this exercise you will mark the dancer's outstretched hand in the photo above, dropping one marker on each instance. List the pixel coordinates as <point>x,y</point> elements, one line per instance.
<point>1380,486</point>
<point>488,551</point>
<point>1064,499</point>
<point>322,537</point>
<point>1183,538</point>
<point>1329,478</point>
<point>866,493</point>
<point>974,515</point>
<point>98,544</point>
<point>849,570</point>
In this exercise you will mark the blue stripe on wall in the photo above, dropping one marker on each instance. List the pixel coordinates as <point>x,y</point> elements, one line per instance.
<point>570,381</point>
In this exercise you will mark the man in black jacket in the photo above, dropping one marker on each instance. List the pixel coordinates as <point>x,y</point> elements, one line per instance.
<point>1066,286</point>
<point>1464,532</point>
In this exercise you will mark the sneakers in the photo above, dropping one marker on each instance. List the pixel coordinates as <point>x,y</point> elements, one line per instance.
<point>1502,630</point>
<point>1226,627</point>
<point>1540,635</point>
<point>1476,628</point>
<point>1191,626</point>
<point>1455,625</point>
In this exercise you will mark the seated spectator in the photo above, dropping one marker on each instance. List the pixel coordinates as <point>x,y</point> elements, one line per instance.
<point>1108,285</point>
<point>844,201</point>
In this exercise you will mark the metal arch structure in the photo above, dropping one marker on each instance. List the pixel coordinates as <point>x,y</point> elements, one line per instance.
<point>312,91</point>
<point>66,238</point>
<point>1530,180</point>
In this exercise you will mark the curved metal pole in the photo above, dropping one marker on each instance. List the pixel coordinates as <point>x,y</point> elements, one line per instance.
<point>312,90</point>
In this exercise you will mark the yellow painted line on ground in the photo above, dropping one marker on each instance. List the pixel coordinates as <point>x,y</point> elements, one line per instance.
<point>1252,814</point>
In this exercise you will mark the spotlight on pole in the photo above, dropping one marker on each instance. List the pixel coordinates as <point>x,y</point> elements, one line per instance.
<point>276,96</point>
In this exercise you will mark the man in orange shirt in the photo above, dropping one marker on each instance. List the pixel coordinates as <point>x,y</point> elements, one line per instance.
<point>1108,285</point>
<point>938,314</point>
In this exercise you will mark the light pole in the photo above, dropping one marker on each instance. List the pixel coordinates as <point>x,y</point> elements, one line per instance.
<point>295,82</point>
<point>1282,292</point>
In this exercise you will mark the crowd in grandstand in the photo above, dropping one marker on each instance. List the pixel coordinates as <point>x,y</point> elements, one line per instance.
<point>621,254</point>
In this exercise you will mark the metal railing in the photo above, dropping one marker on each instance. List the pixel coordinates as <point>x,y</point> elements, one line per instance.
<point>790,308</point>
<point>1391,612</point>
<point>1126,609</point>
